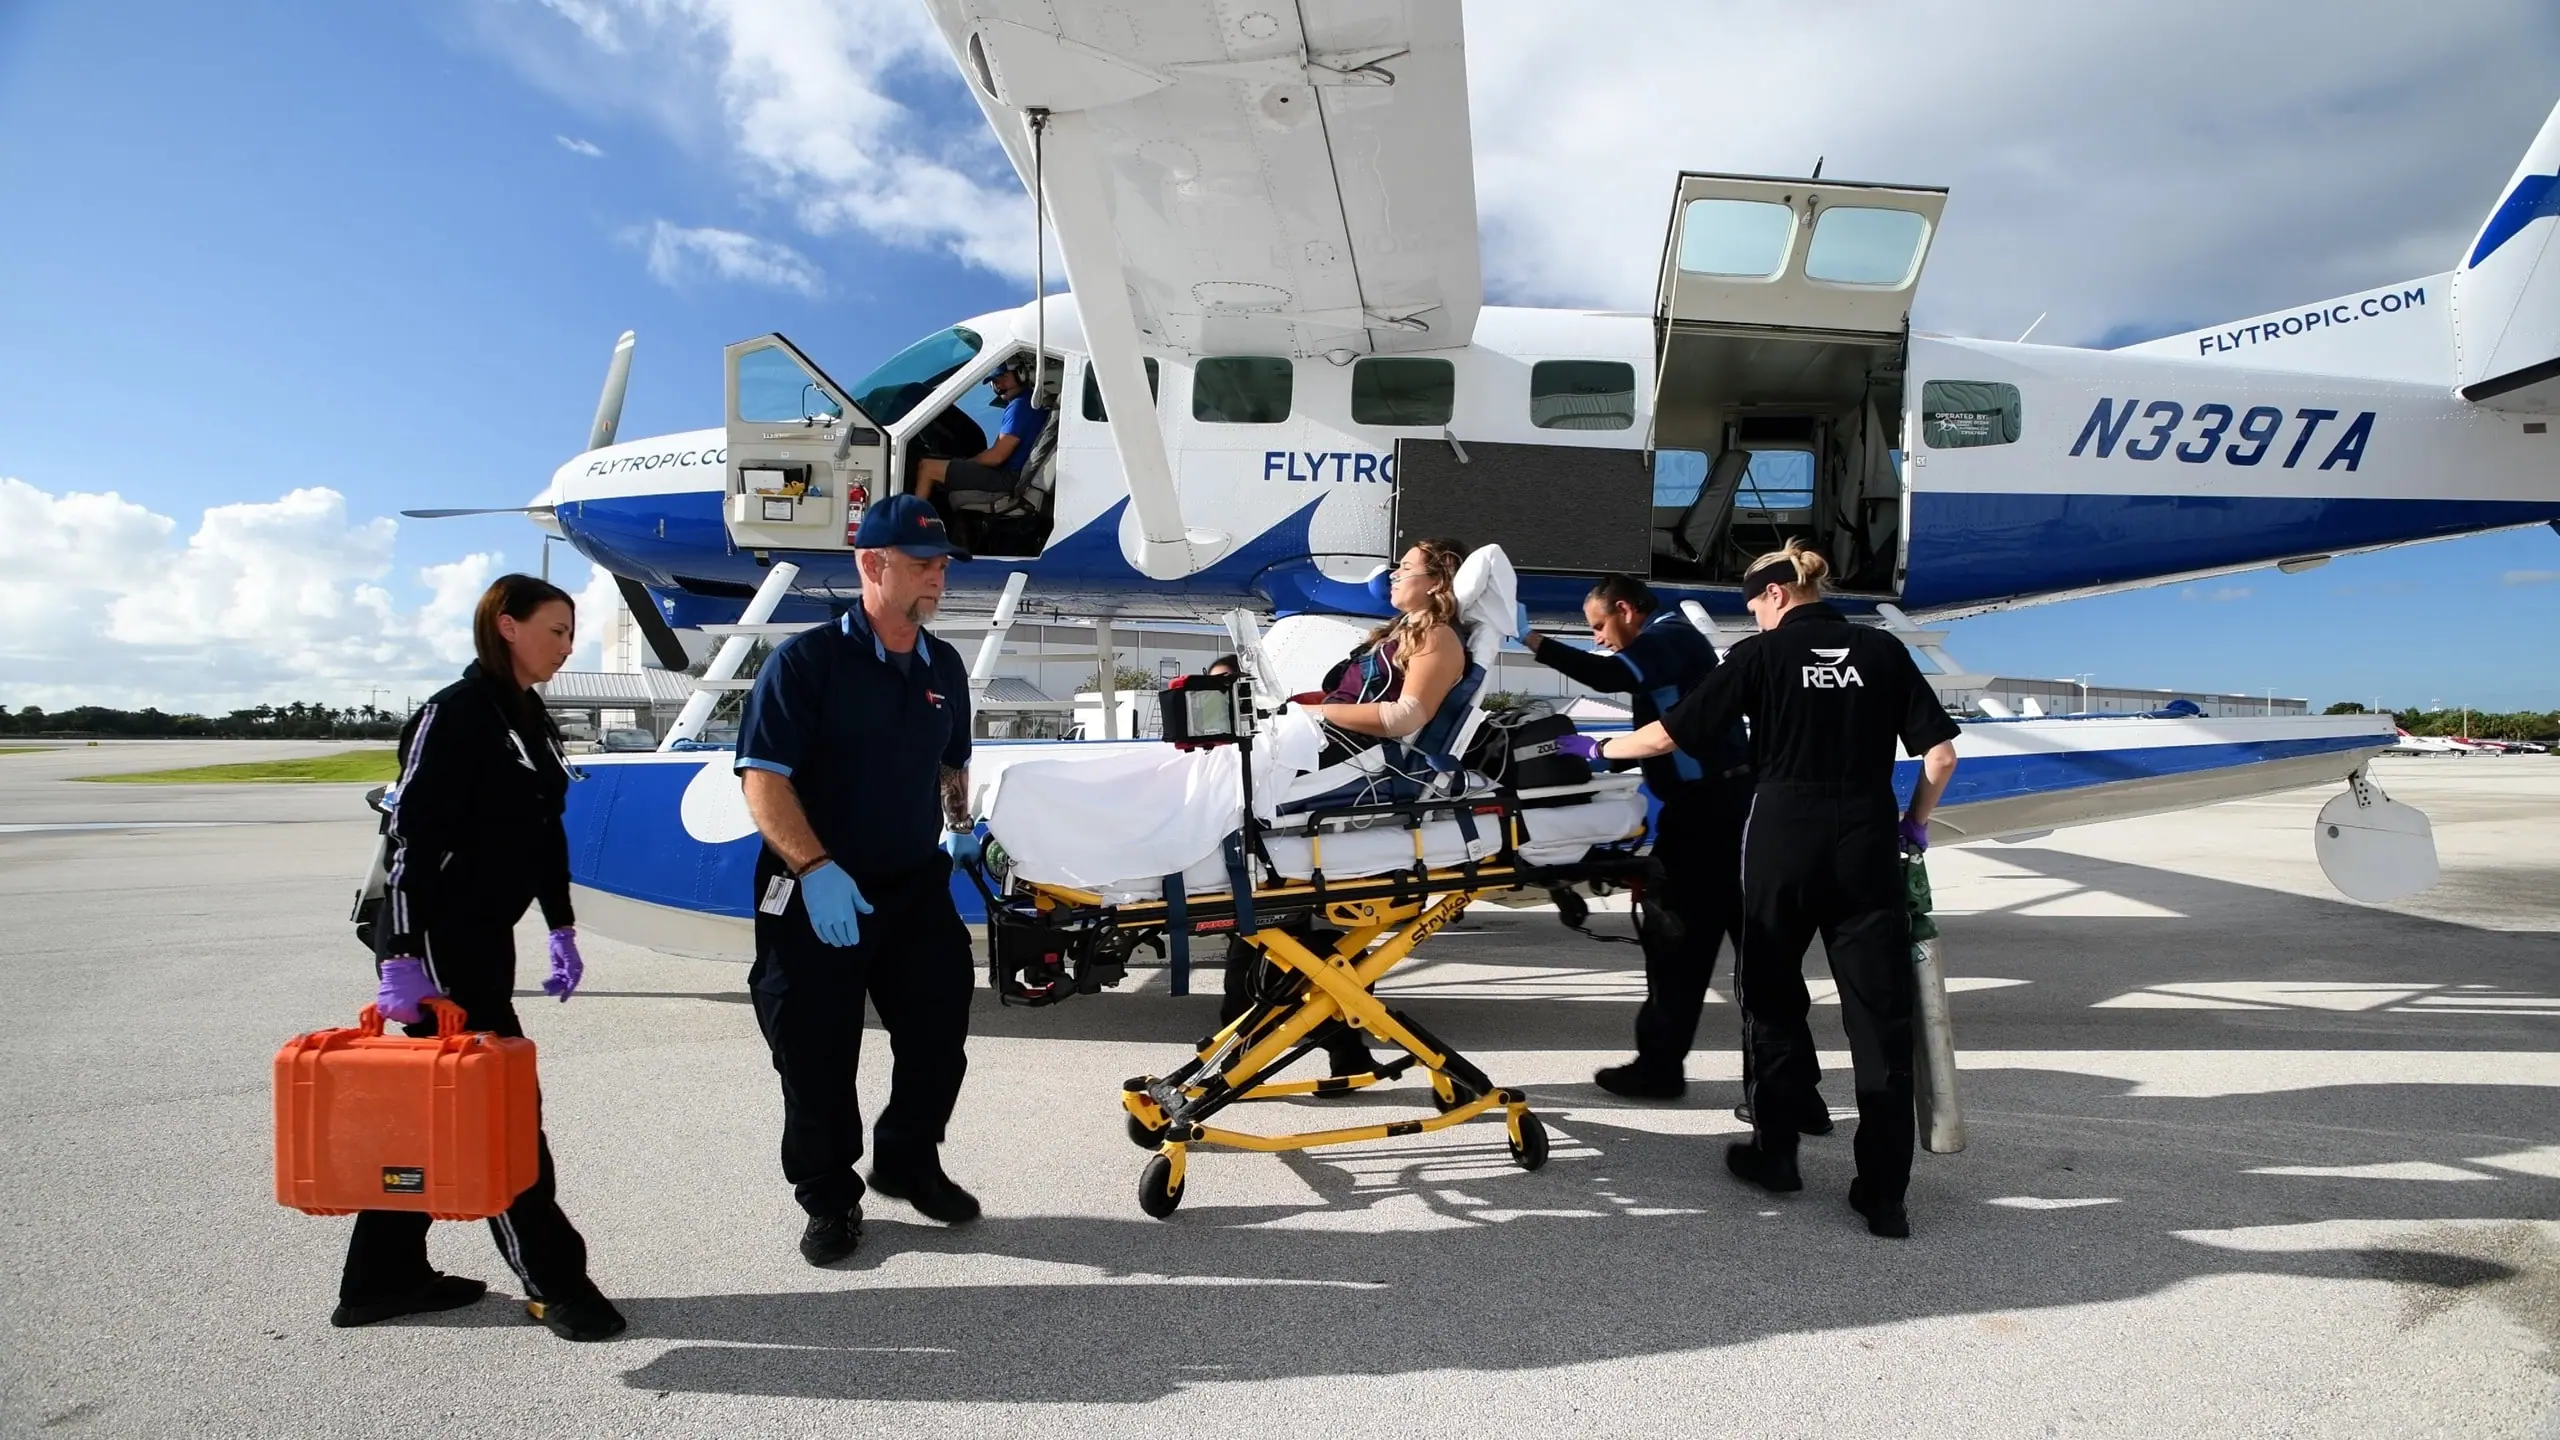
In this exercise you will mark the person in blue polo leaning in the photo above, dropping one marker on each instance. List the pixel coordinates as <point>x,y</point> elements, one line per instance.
<point>854,753</point>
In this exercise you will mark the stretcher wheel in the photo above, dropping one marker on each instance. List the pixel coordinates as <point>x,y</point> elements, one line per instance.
<point>1158,1194</point>
<point>1530,1150</point>
<point>1144,1135</point>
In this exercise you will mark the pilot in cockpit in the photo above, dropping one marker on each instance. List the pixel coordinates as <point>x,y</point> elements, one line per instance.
<point>998,468</point>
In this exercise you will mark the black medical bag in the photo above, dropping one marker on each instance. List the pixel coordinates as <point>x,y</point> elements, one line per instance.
<point>1534,763</point>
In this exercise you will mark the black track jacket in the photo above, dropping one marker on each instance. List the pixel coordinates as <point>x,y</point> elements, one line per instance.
<point>475,822</point>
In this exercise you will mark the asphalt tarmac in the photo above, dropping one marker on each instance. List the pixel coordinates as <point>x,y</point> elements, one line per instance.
<point>2246,1159</point>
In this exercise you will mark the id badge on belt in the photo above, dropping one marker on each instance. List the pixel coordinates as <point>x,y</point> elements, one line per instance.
<point>777,894</point>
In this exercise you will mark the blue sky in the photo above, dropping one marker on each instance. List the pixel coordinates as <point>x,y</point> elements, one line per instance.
<point>256,250</point>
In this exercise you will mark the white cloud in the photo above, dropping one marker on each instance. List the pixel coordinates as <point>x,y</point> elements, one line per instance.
<point>2154,165</point>
<point>680,255</point>
<point>287,599</point>
<point>2219,595</point>
<point>575,146</point>
<point>806,97</point>
<point>2529,577</point>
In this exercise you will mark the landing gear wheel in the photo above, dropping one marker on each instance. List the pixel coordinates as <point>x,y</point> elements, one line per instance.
<point>1144,1135</point>
<point>1158,1194</point>
<point>1530,1150</point>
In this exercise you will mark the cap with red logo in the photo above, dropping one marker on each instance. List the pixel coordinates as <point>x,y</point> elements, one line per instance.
<point>909,525</point>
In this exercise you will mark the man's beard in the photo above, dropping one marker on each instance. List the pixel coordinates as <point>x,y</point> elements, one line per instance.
<point>921,609</point>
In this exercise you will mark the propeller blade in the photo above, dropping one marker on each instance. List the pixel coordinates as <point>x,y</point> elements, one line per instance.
<point>617,375</point>
<point>485,510</point>
<point>653,624</point>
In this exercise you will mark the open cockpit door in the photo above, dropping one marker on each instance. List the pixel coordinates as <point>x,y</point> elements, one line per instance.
<point>804,461</point>
<point>1782,318</point>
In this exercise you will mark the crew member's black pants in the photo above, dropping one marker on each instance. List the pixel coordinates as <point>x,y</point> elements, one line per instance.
<point>1826,858</point>
<point>1343,1046</point>
<point>914,964</point>
<point>473,961</point>
<point>1698,843</point>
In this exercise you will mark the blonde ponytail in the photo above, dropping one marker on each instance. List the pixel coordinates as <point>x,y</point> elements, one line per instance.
<point>1799,567</point>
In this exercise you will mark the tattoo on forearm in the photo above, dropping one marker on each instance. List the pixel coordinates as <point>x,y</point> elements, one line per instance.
<point>955,798</point>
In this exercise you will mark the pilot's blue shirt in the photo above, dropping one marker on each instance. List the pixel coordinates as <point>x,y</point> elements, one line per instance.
<point>863,734</point>
<point>1024,421</point>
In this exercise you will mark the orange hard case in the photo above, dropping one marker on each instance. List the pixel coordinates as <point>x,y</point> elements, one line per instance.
<point>449,1125</point>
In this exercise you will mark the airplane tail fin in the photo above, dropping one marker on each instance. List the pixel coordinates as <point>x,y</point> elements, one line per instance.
<point>2506,295</point>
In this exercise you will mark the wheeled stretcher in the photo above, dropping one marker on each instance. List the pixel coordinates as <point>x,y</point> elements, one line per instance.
<point>1333,884</point>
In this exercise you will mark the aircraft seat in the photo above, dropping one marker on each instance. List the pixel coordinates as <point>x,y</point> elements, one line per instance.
<point>1698,526</point>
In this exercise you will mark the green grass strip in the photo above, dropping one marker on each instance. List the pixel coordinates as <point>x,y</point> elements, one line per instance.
<point>348,767</point>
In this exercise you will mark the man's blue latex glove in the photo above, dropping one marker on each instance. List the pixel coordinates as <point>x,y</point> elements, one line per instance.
<point>963,846</point>
<point>1586,747</point>
<point>834,903</point>
<point>1915,834</point>
<point>405,990</point>
<point>1520,620</point>
<point>567,966</point>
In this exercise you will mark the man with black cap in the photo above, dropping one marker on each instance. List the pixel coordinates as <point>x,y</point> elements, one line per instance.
<point>854,753</point>
<point>1829,702</point>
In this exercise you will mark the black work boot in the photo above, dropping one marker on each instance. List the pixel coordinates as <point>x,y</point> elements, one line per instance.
<point>830,1238</point>
<point>444,1292</point>
<point>1815,1121</point>
<point>929,1190</point>
<point>1771,1172</point>
<point>583,1318</point>
<point>1887,1220</point>
<point>1638,1081</point>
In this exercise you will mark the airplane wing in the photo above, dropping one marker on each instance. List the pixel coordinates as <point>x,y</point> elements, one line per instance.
<point>1270,179</point>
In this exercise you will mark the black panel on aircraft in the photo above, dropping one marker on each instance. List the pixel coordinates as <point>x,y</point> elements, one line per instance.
<point>1550,507</point>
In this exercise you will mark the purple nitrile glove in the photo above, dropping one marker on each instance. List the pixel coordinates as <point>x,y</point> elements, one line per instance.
<point>1915,834</point>
<point>567,967</point>
<point>405,990</point>
<point>1586,747</point>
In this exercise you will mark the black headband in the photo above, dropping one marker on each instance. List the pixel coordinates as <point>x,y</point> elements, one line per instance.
<point>1780,571</point>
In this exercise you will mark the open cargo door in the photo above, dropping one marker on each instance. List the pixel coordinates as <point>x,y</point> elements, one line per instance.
<point>804,461</point>
<point>1782,319</point>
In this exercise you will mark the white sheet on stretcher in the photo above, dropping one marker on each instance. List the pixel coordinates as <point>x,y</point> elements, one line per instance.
<point>1158,811</point>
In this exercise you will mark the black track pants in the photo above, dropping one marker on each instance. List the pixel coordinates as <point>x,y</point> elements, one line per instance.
<point>473,961</point>
<point>1698,841</point>
<point>1817,860</point>
<point>914,964</point>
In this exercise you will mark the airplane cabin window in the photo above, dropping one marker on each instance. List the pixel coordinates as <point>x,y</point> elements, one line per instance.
<point>1242,389</point>
<point>1861,245</point>
<point>1398,390</point>
<point>1093,390</point>
<point>773,389</point>
<point>1677,477</point>
<point>1778,480</point>
<point>1582,395</point>
<point>904,379</point>
<point>1960,414</point>
<point>1744,239</point>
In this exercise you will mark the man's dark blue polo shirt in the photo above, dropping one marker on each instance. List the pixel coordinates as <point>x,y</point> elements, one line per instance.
<point>863,735</point>
<point>1666,660</point>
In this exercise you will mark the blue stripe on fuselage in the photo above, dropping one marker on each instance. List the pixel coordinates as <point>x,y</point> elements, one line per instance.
<point>1969,548</point>
<point>2536,197</point>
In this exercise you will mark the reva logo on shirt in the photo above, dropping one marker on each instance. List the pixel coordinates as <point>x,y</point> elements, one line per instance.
<point>1832,673</point>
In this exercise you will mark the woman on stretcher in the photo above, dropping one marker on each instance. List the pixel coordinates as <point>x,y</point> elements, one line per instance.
<point>1388,688</point>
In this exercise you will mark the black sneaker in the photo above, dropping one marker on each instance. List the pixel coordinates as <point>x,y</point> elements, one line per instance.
<point>930,1191</point>
<point>1889,1221</point>
<point>585,1318</point>
<point>830,1238</point>
<point>1773,1173</point>
<point>1816,1123</point>
<point>445,1292</point>
<point>1638,1081</point>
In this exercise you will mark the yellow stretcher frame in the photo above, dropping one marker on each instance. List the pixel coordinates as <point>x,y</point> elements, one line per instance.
<point>1383,919</point>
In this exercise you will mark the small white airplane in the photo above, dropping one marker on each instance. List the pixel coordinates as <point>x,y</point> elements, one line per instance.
<point>1277,368</point>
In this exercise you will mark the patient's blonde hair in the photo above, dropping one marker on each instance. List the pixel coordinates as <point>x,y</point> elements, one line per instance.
<point>1811,570</point>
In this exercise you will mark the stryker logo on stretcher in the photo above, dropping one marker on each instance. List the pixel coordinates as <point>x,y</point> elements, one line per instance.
<point>2345,312</point>
<point>1308,466</point>
<point>2251,436</point>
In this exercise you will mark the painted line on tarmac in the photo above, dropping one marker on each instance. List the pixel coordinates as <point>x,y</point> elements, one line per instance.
<point>54,827</point>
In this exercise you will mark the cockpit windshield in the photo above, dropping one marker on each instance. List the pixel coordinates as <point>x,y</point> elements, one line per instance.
<point>904,379</point>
